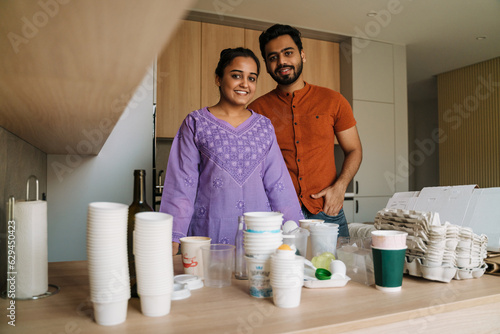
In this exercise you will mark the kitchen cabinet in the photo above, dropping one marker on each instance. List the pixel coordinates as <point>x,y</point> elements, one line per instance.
<point>265,83</point>
<point>373,72</point>
<point>322,63</point>
<point>365,208</point>
<point>372,75</point>
<point>178,87</point>
<point>214,39</point>
<point>376,131</point>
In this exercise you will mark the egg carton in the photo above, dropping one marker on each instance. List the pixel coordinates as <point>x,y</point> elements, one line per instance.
<point>439,252</point>
<point>414,267</point>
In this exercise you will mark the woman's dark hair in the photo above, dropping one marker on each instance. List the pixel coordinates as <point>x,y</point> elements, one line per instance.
<point>227,56</point>
<point>276,31</point>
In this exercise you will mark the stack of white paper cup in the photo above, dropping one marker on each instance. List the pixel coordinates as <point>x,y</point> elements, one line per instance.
<point>287,278</point>
<point>153,262</point>
<point>261,239</point>
<point>107,261</point>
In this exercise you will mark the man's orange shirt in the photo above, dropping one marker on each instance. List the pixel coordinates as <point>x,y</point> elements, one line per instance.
<point>305,122</point>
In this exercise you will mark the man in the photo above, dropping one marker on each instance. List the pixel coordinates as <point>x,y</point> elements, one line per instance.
<point>306,119</point>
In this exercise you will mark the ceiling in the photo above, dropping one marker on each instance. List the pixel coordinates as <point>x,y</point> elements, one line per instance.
<point>439,36</point>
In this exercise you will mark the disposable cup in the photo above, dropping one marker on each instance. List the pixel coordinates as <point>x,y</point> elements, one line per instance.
<point>155,305</point>
<point>258,277</point>
<point>109,208</point>
<point>286,297</point>
<point>247,235</point>
<point>263,238</point>
<point>151,217</point>
<point>253,253</point>
<point>306,223</point>
<point>388,265</point>
<point>389,239</point>
<point>218,264</point>
<point>275,283</point>
<point>264,227</point>
<point>262,216</point>
<point>192,258</point>
<point>110,314</point>
<point>323,238</point>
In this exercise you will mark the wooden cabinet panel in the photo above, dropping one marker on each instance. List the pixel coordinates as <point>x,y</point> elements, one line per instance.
<point>322,66</point>
<point>265,83</point>
<point>215,38</point>
<point>178,79</point>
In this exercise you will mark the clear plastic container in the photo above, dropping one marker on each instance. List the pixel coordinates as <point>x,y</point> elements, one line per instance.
<point>298,239</point>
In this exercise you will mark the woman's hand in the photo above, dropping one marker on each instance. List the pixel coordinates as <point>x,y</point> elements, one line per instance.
<point>175,248</point>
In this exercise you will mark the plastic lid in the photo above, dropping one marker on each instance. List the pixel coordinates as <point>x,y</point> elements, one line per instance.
<point>181,291</point>
<point>193,282</point>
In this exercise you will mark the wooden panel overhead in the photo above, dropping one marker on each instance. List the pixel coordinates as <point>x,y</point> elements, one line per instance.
<point>69,68</point>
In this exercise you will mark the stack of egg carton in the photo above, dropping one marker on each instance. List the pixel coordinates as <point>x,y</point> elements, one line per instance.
<point>435,251</point>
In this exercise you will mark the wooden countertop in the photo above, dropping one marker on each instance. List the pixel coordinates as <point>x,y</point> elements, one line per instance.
<point>422,306</point>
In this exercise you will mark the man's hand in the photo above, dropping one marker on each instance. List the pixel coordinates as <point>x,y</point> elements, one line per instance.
<point>334,199</point>
<point>334,194</point>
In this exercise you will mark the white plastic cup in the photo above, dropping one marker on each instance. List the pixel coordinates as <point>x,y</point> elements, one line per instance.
<point>263,221</point>
<point>258,276</point>
<point>192,258</point>
<point>287,297</point>
<point>110,314</point>
<point>155,305</point>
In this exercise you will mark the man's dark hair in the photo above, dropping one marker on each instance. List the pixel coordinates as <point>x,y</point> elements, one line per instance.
<point>276,31</point>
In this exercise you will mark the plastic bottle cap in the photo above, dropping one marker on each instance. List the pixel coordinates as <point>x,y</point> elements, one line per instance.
<point>323,274</point>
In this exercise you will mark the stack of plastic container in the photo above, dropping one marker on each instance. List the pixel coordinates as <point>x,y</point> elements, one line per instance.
<point>261,239</point>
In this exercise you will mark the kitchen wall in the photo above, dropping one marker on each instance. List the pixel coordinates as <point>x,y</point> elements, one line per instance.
<point>18,160</point>
<point>74,181</point>
<point>423,154</point>
<point>469,118</point>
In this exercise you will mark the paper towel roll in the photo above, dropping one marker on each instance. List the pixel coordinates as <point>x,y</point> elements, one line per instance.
<point>31,248</point>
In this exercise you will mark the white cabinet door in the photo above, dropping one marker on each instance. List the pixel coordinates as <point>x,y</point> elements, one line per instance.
<point>349,210</point>
<point>366,208</point>
<point>373,71</point>
<point>375,122</point>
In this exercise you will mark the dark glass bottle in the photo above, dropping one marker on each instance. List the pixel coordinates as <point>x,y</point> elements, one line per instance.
<point>139,204</point>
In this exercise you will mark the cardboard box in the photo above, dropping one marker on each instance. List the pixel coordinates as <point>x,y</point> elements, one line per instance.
<point>467,206</point>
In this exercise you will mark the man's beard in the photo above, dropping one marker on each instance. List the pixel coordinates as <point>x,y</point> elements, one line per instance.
<point>290,78</point>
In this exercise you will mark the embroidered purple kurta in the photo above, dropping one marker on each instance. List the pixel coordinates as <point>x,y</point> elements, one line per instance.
<point>217,172</point>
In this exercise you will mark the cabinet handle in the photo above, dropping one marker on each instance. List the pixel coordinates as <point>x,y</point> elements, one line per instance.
<point>357,187</point>
<point>357,206</point>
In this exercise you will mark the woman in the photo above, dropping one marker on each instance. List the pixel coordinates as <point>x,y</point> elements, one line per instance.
<point>225,161</point>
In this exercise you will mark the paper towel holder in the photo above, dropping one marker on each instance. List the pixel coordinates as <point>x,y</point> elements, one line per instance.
<point>28,188</point>
<point>11,217</point>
